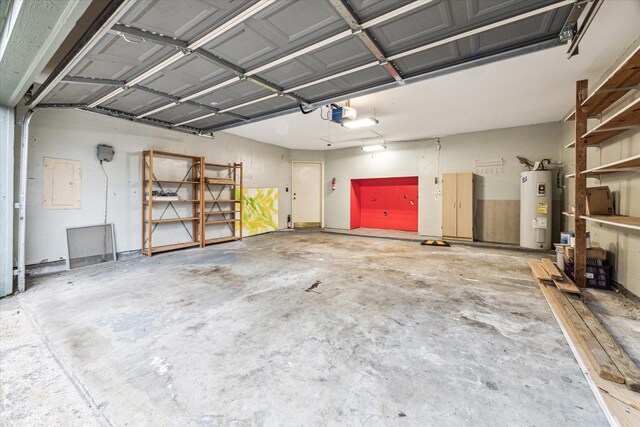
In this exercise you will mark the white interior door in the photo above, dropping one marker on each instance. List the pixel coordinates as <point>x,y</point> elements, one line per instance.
<point>307,194</point>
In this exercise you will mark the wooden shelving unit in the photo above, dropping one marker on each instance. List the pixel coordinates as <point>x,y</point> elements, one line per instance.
<point>219,208</point>
<point>190,183</point>
<point>623,79</point>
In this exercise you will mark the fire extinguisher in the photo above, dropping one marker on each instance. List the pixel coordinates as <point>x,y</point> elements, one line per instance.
<point>333,184</point>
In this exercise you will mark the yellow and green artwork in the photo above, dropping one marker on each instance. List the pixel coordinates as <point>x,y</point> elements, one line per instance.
<point>259,210</point>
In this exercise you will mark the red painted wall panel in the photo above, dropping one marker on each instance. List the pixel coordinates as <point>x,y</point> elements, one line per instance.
<point>387,203</point>
<point>355,204</point>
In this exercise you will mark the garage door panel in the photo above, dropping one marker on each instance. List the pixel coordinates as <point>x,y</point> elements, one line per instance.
<point>280,29</point>
<point>180,113</point>
<point>188,75</point>
<point>433,58</point>
<point>135,101</point>
<point>209,122</point>
<point>333,59</point>
<point>115,58</point>
<point>233,94</point>
<point>440,20</point>
<point>528,29</point>
<point>369,9</point>
<point>182,19</point>
<point>68,93</point>
<point>268,106</point>
<point>356,81</point>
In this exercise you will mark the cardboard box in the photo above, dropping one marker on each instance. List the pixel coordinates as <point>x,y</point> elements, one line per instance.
<point>592,253</point>
<point>599,201</point>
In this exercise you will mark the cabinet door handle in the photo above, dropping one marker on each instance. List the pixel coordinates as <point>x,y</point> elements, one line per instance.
<point>460,204</point>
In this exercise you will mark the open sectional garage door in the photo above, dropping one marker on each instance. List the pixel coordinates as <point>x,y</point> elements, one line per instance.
<point>202,66</point>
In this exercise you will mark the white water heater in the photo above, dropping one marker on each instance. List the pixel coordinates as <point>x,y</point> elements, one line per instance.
<point>536,192</point>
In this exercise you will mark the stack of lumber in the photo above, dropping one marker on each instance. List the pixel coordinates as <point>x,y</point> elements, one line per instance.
<point>611,374</point>
<point>547,272</point>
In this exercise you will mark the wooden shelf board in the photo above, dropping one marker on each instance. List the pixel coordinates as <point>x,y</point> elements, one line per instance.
<point>614,87</point>
<point>221,201</point>
<point>629,222</point>
<point>221,221</point>
<point>626,75</point>
<point>220,165</point>
<point>220,181</point>
<point>618,166</point>
<point>166,220</point>
<point>173,181</point>
<point>167,154</point>
<point>171,247</point>
<point>220,212</point>
<point>570,214</point>
<point>221,240</point>
<point>626,118</point>
<point>570,145</point>
<point>571,175</point>
<point>146,202</point>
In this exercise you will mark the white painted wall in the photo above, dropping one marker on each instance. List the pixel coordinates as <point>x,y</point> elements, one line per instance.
<point>74,135</point>
<point>458,154</point>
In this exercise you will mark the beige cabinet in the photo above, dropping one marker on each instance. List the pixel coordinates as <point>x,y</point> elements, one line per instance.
<point>457,206</point>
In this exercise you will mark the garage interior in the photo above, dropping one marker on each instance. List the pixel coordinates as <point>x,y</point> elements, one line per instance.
<point>320,212</point>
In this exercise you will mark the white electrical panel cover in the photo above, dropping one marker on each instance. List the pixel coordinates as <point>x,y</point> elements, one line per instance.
<point>62,184</point>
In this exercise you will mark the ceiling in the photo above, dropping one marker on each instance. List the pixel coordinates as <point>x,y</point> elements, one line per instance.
<point>534,88</point>
<point>207,65</point>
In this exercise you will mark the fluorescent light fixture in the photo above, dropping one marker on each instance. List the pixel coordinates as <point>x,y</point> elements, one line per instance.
<point>374,147</point>
<point>360,123</point>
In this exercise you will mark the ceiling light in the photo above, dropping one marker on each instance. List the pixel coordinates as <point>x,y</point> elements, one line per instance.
<point>375,147</point>
<point>360,123</point>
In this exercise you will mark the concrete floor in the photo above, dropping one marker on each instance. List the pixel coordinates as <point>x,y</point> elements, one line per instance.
<point>395,334</point>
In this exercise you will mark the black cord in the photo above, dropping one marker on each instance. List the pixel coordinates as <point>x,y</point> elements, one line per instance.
<point>306,112</point>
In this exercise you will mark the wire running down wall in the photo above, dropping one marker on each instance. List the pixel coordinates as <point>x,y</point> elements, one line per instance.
<point>386,203</point>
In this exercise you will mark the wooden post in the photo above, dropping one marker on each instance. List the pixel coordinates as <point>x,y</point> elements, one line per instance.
<point>144,191</point>
<point>194,196</point>
<point>240,197</point>
<point>201,204</point>
<point>150,205</point>
<point>580,253</point>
